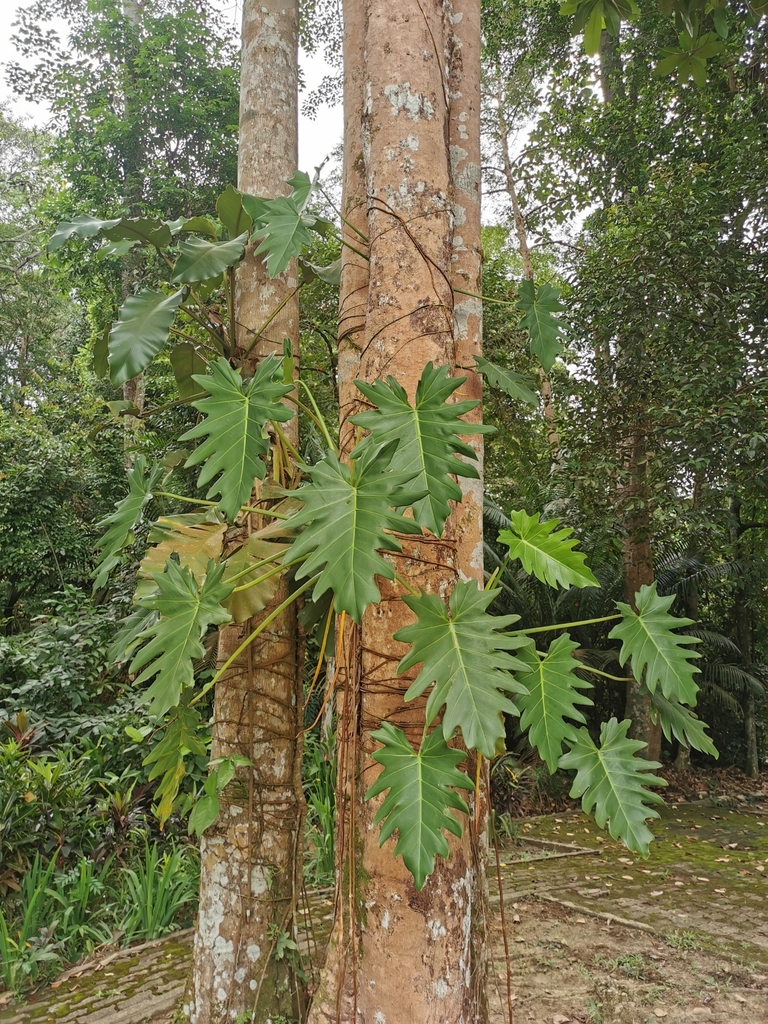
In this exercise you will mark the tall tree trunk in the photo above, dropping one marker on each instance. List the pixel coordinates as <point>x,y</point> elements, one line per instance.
<point>251,856</point>
<point>413,146</point>
<point>744,638</point>
<point>637,556</point>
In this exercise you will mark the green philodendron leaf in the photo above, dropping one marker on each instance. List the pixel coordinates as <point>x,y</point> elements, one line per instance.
<point>546,552</point>
<point>140,332</point>
<point>232,213</point>
<point>422,788</point>
<point>612,780</point>
<point>301,183</point>
<point>140,230</point>
<point>201,260</point>
<point>427,436</point>
<point>83,227</point>
<point>186,362</point>
<point>101,353</point>
<point>173,642</point>
<point>679,721</point>
<point>549,709</point>
<point>235,416</point>
<point>348,517</point>
<point>593,30</point>
<point>465,656</point>
<point>120,248</point>
<point>179,740</point>
<point>202,225</point>
<point>121,523</point>
<point>660,658</point>
<point>244,604</point>
<point>511,383</point>
<point>283,230</point>
<point>131,627</point>
<point>539,306</point>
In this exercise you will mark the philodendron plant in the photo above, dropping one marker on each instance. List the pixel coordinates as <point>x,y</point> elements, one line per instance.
<point>329,536</point>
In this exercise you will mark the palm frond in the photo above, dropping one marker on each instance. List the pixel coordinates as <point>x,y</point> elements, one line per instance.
<point>732,678</point>
<point>720,696</point>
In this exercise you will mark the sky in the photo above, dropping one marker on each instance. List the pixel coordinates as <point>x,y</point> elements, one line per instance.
<point>316,138</point>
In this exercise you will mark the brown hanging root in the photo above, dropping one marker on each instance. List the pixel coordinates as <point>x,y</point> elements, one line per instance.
<point>320,659</point>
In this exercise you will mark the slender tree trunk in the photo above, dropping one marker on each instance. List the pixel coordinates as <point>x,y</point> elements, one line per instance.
<point>413,146</point>
<point>637,556</point>
<point>251,856</point>
<point>744,638</point>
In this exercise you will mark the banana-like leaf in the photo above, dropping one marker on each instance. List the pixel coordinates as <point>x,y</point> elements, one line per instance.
<point>543,327</point>
<point>121,523</point>
<point>553,693</point>
<point>346,516</point>
<point>186,361</point>
<point>235,416</point>
<point>140,332</point>
<point>200,224</point>
<point>647,639</point>
<point>679,721</point>
<point>201,260</point>
<point>179,740</point>
<point>283,230</point>
<point>232,213</point>
<point>428,438</point>
<point>244,604</point>
<point>422,789</point>
<point>83,226</point>
<point>172,644</point>
<point>463,653</point>
<point>195,538</point>
<point>612,780</point>
<point>545,554</point>
<point>511,383</point>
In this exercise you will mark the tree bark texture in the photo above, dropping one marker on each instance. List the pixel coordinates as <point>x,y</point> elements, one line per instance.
<point>637,556</point>
<point>412,157</point>
<point>251,856</point>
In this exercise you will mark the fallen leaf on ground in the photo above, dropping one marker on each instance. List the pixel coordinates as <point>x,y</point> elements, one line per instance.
<point>560,1019</point>
<point>657,892</point>
<point>660,1014</point>
<point>702,879</point>
<point>738,998</point>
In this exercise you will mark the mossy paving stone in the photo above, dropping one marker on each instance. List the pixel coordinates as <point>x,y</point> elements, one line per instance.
<point>706,871</point>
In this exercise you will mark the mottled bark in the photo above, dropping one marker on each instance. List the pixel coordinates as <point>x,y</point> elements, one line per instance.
<point>413,147</point>
<point>251,856</point>
<point>637,556</point>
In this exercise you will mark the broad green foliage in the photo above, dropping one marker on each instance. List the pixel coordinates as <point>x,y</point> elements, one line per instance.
<point>232,213</point>
<point>186,361</point>
<point>172,643</point>
<point>123,521</point>
<point>347,511</point>
<point>659,656</point>
<point>544,329</point>
<point>284,232</point>
<point>427,436</point>
<point>549,708</point>
<point>690,61</point>
<point>180,739</point>
<point>235,416</point>
<point>422,788</point>
<point>511,383</point>
<point>592,16</point>
<point>679,721</point>
<point>463,653</point>
<point>81,227</point>
<point>201,260</point>
<point>254,597</point>
<point>195,538</point>
<point>140,332</point>
<point>546,554</point>
<point>611,780</point>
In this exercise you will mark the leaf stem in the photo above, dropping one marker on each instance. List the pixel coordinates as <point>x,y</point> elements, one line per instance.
<point>406,585</point>
<point>320,421</point>
<point>249,639</point>
<point>496,573</point>
<point>605,675</point>
<point>565,625</point>
<point>486,298</point>
<point>212,504</point>
<point>267,576</point>
<point>269,320</point>
<point>286,443</point>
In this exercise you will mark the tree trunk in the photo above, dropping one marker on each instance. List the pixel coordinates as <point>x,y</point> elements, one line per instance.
<point>412,144</point>
<point>637,556</point>
<point>251,856</point>
<point>744,638</point>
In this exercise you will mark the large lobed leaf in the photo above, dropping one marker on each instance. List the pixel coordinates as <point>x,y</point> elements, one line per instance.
<point>166,758</point>
<point>195,538</point>
<point>549,709</point>
<point>679,721</point>
<point>173,642</point>
<point>648,641</point>
<point>545,554</point>
<point>543,327</point>
<point>511,383</point>
<point>140,331</point>
<point>284,232</point>
<point>121,523</point>
<point>612,780</point>
<point>422,789</point>
<point>235,416</point>
<point>427,434</point>
<point>346,516</point>
<point>465,656</point>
